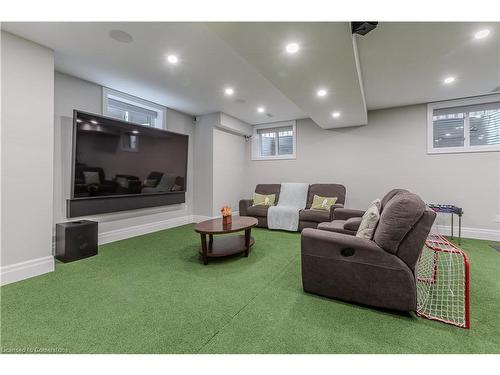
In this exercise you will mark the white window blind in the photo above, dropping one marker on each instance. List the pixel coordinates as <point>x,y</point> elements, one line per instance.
<point>276,141</point>
<point>469,127</point>
<point>126,107</point>
<point>131,113</point>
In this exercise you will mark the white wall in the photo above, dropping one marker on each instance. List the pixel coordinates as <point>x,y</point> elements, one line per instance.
<point>74,93</point>
<point>203,164</point>
<point>390,152</point>
<point>229,175</point>
<point>27,158</point>
<point>220,161</point>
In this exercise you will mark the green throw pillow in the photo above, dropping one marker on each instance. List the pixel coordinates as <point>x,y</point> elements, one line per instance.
<point>322,203</point>
<point>263,200</point>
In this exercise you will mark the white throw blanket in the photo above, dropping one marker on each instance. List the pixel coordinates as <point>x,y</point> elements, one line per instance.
<point>292,199</point>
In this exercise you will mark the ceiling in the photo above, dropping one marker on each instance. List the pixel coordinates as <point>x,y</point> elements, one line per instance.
<point>399,64</point>
<point>405,62</point>
<point>195,85</point>
<point>326,61</point>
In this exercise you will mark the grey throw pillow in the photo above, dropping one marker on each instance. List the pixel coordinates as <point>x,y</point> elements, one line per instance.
<point>369,220</point>
<point>91,178</point>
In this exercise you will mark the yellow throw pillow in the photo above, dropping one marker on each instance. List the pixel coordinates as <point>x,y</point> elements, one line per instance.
<point>323,203</point>
<point>263,200</point>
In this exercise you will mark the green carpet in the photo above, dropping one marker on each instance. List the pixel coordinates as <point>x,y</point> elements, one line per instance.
<point>151,294</point>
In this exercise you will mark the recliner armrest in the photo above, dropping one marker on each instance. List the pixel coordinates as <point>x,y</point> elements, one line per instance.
<point>353,224</point>
<point>243,206</point>
<point>325,243</point>
<point>344,247</point>
<point>347,213</point>
<point>333,208</point>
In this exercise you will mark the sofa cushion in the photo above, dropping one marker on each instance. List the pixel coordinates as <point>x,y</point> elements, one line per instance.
<point>336,226</point>
<point>352,223</point>
<point>317,216</point>
<point>398,216</point>
<point>263,200</point>
<point>326,190</point>
<point>323,203</point>
<point>260,211</point>
<point>369,221</point>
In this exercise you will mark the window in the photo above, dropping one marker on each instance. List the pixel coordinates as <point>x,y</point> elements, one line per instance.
<point>274,141</point>
<point>468,125</point>
<point>130,108</point>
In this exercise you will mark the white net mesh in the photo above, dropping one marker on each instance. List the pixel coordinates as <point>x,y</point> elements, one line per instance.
<point>443,282</point>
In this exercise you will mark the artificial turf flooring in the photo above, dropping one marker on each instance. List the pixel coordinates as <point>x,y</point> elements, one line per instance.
<point>151,294</point>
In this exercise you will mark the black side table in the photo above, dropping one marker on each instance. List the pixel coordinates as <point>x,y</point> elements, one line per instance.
<point>452,210</point>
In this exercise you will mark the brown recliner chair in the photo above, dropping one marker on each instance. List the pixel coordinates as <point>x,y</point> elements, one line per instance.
<point>310,218</point>
<point>378,272</point>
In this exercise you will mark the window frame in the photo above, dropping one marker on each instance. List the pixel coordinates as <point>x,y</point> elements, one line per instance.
<point>256,140</point>
<point>458,103</point>
<point>161,111</point>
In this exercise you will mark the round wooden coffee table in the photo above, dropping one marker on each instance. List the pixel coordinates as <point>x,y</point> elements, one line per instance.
<point>226,245</point>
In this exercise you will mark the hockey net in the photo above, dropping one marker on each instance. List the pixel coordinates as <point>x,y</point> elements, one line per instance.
<point>443,282</point>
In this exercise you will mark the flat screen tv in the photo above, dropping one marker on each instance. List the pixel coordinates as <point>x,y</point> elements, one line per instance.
<point>119,165</point>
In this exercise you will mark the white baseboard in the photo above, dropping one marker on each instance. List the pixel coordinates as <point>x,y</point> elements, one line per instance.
<point>25,270</point>
<point>476,233</point>
<point>199,218</point>
<point>138,230</point>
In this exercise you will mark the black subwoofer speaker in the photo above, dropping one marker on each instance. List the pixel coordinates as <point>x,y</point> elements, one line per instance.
<point>76,240</point>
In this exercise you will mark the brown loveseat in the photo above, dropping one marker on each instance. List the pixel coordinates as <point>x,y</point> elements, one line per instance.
<point>378,272</point>
<point>308,218</point>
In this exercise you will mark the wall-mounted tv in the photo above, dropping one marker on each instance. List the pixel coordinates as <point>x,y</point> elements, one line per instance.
<point>119,165</point>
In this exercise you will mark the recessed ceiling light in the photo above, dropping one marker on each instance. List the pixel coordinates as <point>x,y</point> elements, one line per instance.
<point>292,48</point>
<point>261,109</point>
<point>449,80</point>
<point>321,92</point>
<point>229,91</point>
<point>172,59</point>
<point>336,114</point>
<point>121,36</point>
<point>482,34</point>
<point>94,122</point>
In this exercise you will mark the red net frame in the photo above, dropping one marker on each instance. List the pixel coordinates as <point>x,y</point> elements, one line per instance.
<point>443,282</point>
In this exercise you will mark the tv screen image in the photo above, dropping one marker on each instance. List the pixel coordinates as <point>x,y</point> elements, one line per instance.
<point>116,158</point>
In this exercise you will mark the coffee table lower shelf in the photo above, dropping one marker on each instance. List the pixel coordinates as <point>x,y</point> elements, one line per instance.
<point>226,245</point>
